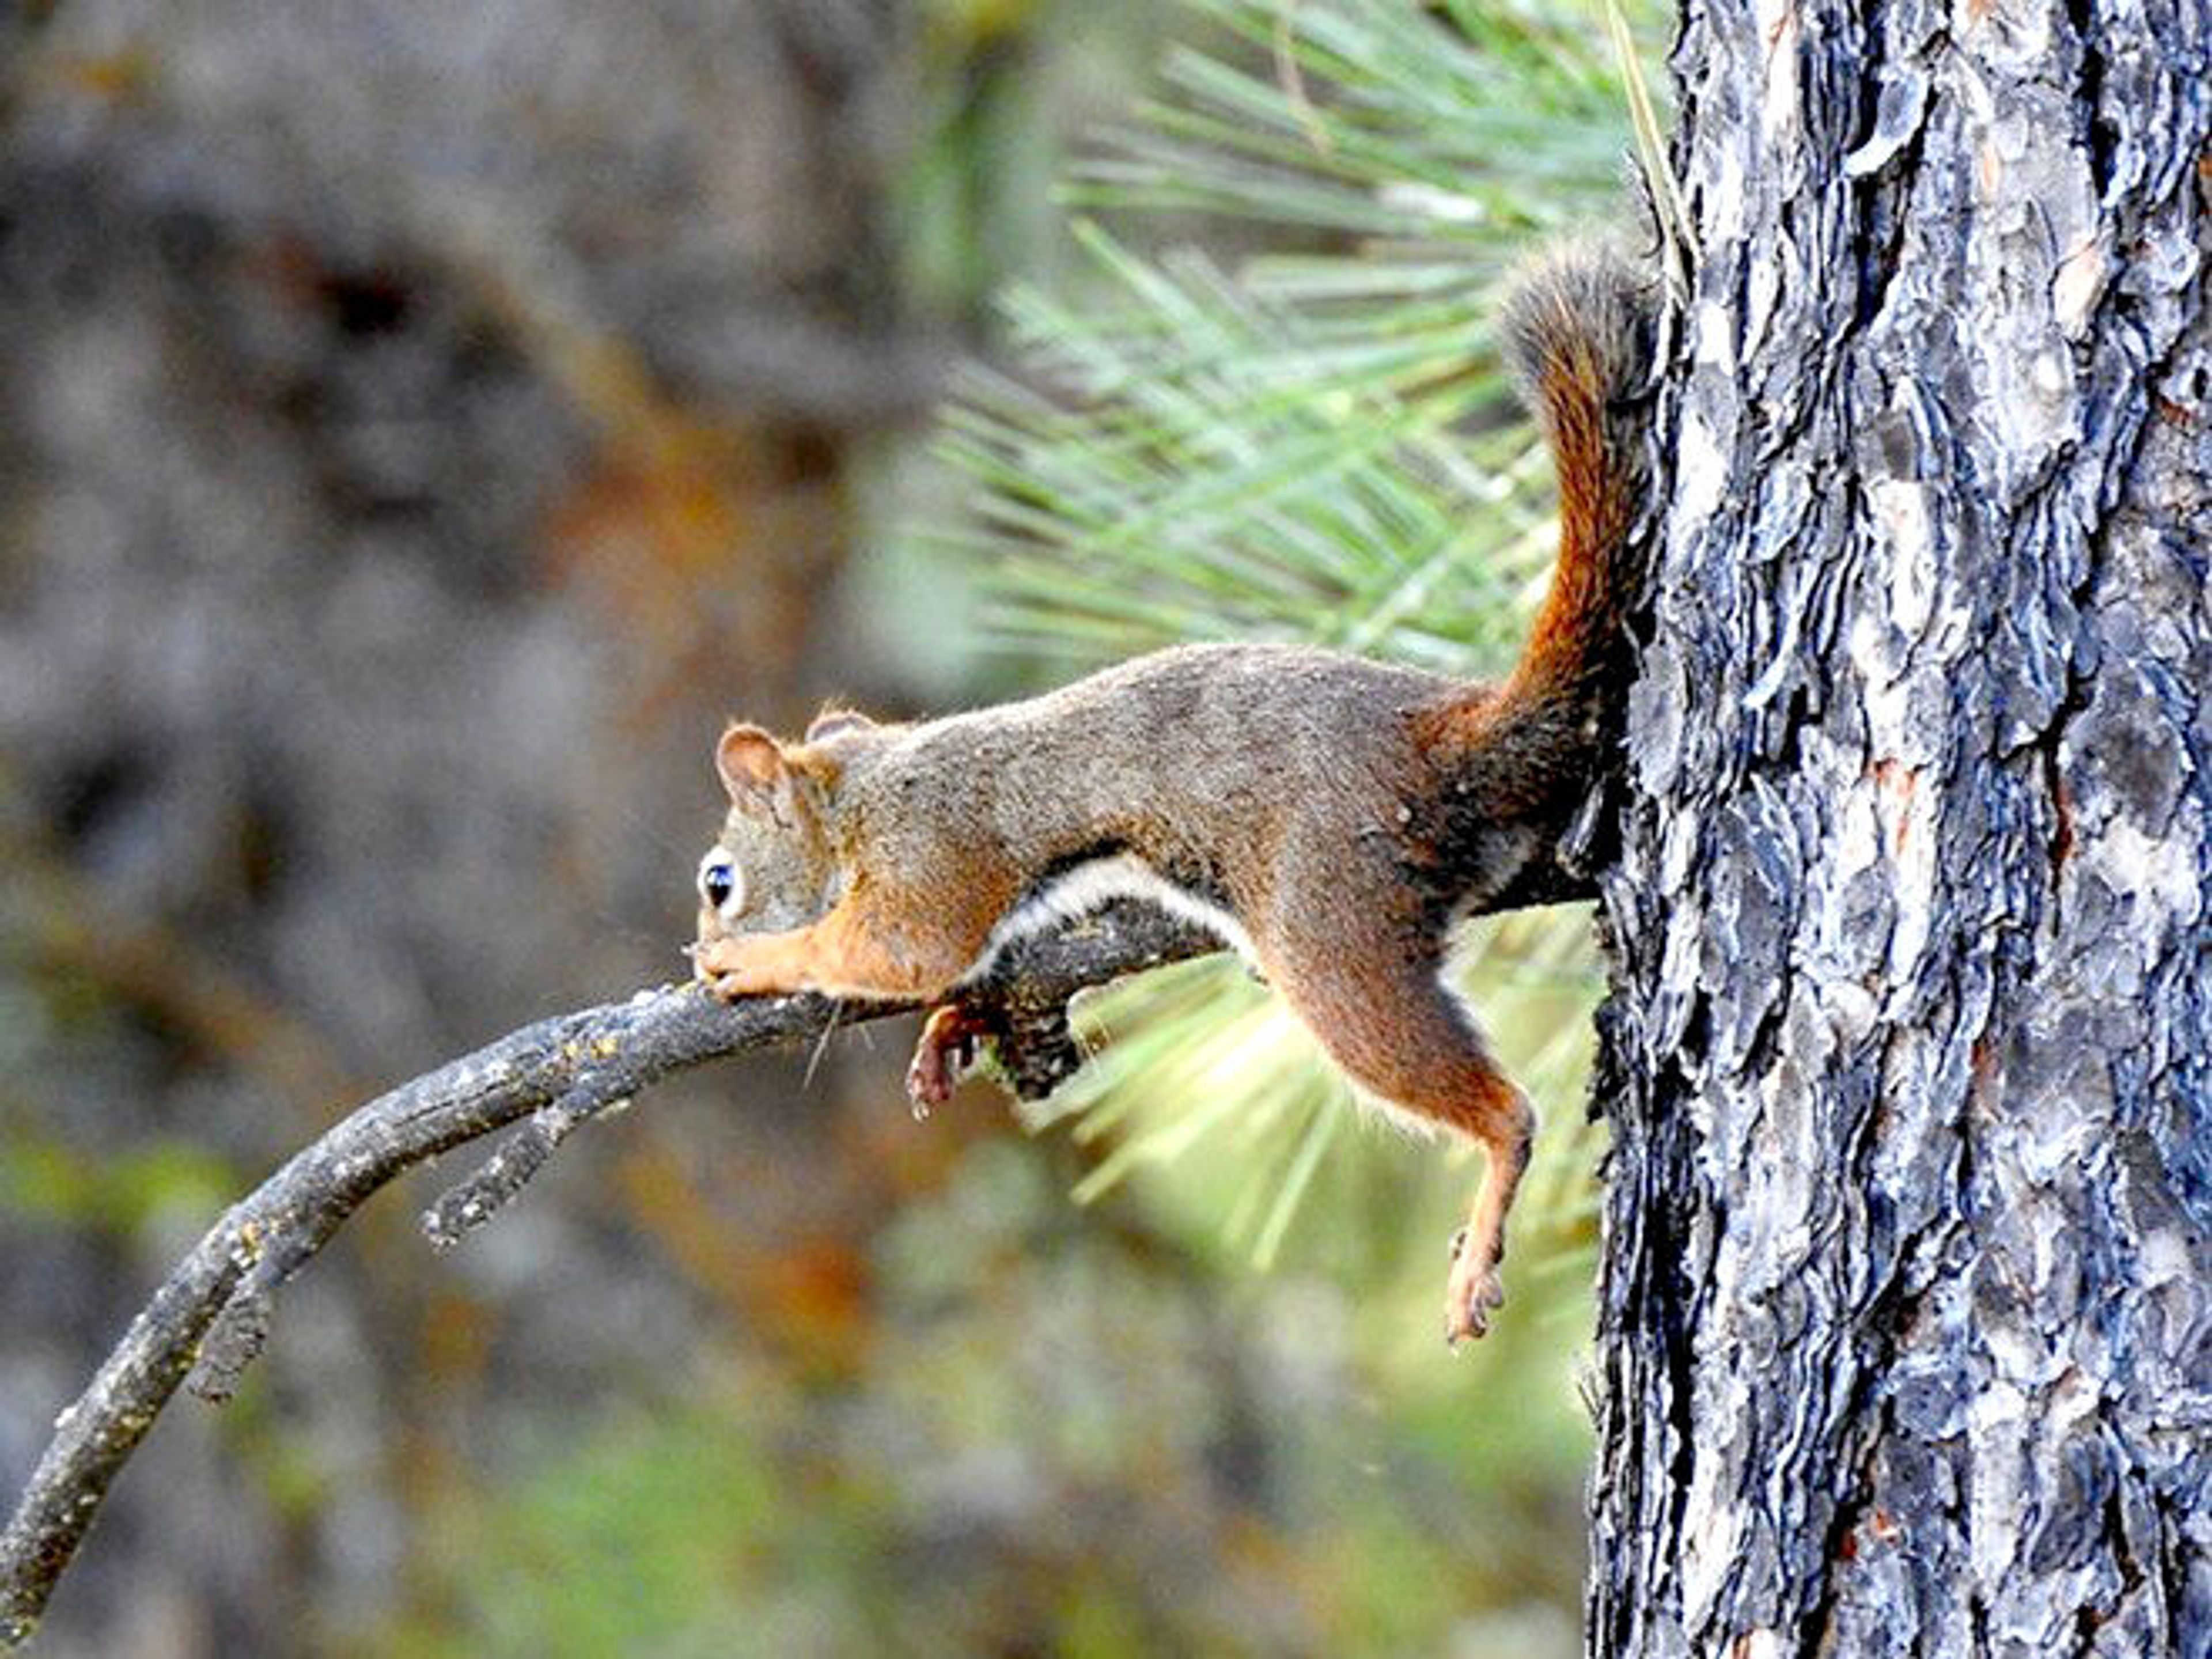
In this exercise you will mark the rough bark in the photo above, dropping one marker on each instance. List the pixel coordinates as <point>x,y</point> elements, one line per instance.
<point>213,1311</point>
<point>1905,1328</point>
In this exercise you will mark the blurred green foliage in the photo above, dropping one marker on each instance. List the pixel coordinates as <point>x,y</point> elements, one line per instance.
<point>1051,1453</point>
<point>42,1180</point>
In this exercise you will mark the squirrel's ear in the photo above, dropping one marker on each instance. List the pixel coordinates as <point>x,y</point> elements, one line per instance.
<point>830,721</point>
<point>750,762</point>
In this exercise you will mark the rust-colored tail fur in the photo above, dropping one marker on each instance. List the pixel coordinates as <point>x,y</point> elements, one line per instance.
<point>1578,330</point>
<point>1578,327</point>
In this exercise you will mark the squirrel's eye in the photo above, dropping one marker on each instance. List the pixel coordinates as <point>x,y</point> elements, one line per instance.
<point>720,885</point>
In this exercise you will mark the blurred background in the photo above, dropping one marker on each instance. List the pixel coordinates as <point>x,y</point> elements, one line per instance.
<point>419,425</point>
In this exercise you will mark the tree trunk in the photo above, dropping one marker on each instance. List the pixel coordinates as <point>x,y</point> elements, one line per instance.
<point>1904,1332</point>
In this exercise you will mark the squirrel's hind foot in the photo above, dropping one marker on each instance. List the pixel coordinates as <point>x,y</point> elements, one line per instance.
<point>945,1052</point>
<point>1474,1291</point>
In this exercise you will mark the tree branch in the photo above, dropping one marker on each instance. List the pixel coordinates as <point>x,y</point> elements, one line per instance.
<point>214,1309</point>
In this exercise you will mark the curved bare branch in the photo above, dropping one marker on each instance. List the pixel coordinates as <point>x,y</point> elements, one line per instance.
<point>213,1311</point>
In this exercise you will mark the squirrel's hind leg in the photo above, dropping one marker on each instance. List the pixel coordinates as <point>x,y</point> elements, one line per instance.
<point>1389,1023</point>
<point>1474,1291</point>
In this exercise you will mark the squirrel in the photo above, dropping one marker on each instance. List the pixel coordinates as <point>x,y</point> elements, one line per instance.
<point>1330,817</point>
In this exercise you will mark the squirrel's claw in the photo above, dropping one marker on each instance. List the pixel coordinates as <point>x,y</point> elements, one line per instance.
<point>1472,1293</point>
<point>723,978</point>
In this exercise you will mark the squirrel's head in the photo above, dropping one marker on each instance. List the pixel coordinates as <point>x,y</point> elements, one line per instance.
<point>773,867</point>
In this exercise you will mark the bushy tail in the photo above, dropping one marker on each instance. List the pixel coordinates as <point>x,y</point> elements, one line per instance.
<point>1578,328</point>
<point>1521,760</point>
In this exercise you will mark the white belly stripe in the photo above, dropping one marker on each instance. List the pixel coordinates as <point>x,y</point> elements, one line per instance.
<point>1087,887</point>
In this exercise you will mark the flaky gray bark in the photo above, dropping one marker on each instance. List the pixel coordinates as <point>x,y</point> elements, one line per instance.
<point>1905,1333</point>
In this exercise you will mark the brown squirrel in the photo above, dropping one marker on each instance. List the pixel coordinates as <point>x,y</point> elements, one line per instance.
<point>1329,818</point>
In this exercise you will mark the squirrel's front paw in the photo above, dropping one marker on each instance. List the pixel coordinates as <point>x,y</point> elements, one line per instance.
<point>729,971</point>
<point>727,988</point>
<point>1474,1291</point>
